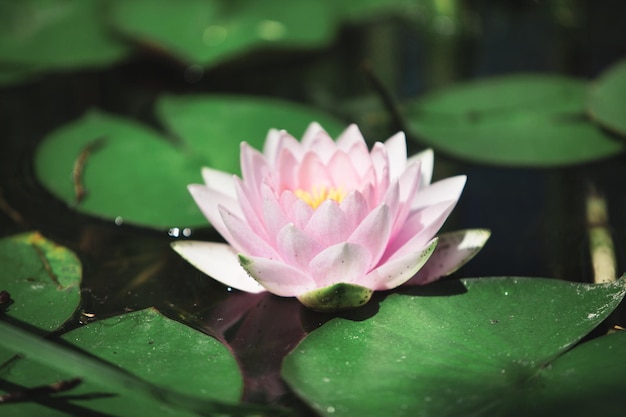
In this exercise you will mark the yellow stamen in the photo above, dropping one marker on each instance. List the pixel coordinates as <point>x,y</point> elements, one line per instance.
<point>319,194</point>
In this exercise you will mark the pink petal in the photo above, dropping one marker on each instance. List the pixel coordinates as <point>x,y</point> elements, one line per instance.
<point>296,247</point>
<point>396,149</point>
<point>344,262</point>
<point>301,214</point>
<point>254,167</point>
<point>277,277</point>
<point>419,228</point>
<point>208,201</point>
<point>373,232</point>
<point>427,160</point>
<point>274,218</point>
<point>408,184</point>
<point>220,181</point>
<point>380,161</point>
<point>312,131</point>
<point>250,210</point>
<point>454,250</point>
<point>396,272</point>
<point>272,146</point>
<point>342,172</point>
<point>324,146</point>
<point>243,239</point>
<point>352,143</point>
<point>444,190</point>
<point>219,261</point>
<point>328,224</point>
<point>313,173</point>
<point>285,174</point>
<point>356,208</point>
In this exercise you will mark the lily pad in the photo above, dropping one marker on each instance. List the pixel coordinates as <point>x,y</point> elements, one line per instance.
<point>42,278</point>
<point>451,348</point>
<point>189,372</point>
<point>608,99</point>
<point>520,120</point>
<point>56,34</point>
<point>207,32</point>
<point>133,174</point>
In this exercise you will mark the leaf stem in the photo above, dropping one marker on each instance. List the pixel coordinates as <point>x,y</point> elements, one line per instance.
<point>600,240</point>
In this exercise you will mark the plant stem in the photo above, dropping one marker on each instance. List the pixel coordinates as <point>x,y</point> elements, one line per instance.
<point>600,240</point>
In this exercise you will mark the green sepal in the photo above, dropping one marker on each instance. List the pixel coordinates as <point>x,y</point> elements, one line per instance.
<point>341,296</point>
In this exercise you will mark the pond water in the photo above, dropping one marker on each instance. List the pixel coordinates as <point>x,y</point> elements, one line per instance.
<point>536,216</point>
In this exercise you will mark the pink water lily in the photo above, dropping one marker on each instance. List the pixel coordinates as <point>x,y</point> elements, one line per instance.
<point>326,221</point>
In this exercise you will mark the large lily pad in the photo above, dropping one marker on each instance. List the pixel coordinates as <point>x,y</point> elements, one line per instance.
<point>608,99</point>
<point>207,32</point>
<point>55,34</point>
<point>521,120</point>
<point>189,372</point>
<point>133,173</point>
<point>453,348</point>
<point>42,278</point>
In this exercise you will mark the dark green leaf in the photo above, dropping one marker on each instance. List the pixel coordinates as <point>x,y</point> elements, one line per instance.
<point>453,348</point>
<point>42,278</point>
<point>55,34</point>
<point>522,120</point>
<point>132,173</point>
<point>207,32</point>
<point>608,99</point>
<point>189,372</point>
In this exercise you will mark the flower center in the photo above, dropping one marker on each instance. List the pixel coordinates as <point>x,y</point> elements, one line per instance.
<point>319,194</point>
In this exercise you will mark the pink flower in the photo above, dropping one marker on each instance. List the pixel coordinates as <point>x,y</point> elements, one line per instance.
<point>328,222</point>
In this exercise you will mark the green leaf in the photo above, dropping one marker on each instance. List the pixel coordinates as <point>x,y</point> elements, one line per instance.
<point>42,278</point>
<point>585,381</point>
<point>522,120</point>
<point>452,348</point>
<point>137,175</point>
<point>608,99</point>
<point>56,34</point>
<point>207,32</point>
<point>189,372</point>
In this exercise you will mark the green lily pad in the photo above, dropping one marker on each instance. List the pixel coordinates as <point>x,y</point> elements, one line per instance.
<point>135,175</point>
<point>521,120</point>
<point>188,371</point>
<point>207,32</point>
<point>608,99</point>
<point>56,34</point>
<point>42,278</point>
<point>584,381</point>
<point>453,348</point>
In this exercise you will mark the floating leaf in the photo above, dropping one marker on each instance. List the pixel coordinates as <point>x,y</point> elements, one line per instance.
<point>42,278</point>
<point>522,120</point>
<point>55,34</point>
<point>608,99</point>
<point>452,348</point>
<point>130,172</point>
<point>584,381</point>
<point>207,32</point>
<point>189,372</point>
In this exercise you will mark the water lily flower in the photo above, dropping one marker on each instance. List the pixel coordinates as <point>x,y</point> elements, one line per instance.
<point>326,221</point>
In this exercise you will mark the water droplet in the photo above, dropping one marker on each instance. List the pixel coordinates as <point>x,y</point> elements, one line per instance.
<point>214,35</point>
<point>174,232</point>
<point>326,379</point>
<point>506,293</point>
<point>271,30</point>
<point>186,232</point>
<point>330,409</point>
<point>119,221</point>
